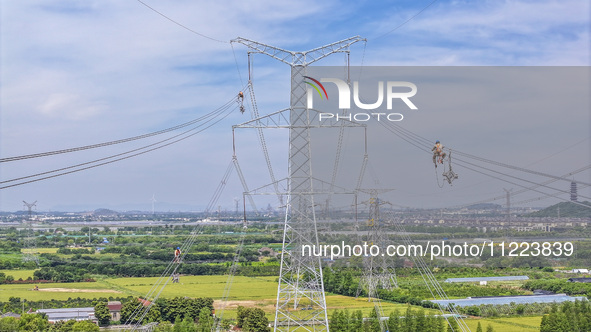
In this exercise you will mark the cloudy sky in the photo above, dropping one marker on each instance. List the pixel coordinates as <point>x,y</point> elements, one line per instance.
<point>81,72</point>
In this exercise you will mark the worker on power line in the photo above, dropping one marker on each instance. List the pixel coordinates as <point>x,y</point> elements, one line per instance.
<point>241,101</point>
<point>177,255</point>
<point>438,153</point>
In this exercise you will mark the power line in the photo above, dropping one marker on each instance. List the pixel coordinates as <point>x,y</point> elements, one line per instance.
<point>421,143</point>
<point>408,20</point>
<point>181,25</point>
<point>125,140</point>
<point>115,160</point>
<point>417,140</point>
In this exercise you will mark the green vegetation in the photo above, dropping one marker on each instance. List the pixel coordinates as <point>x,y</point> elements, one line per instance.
<point>560,286</point>
<point>252,320</point>
<point>101,312</point>
<point>75,275</point>
<point>564,209</point>
<point>568,317</point>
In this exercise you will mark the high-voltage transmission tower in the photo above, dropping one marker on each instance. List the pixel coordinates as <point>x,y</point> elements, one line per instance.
<point>508,204</point>
<point>378,272</point>
<point>301,304</point>
<point>30,245</point>
<point>30,207</point>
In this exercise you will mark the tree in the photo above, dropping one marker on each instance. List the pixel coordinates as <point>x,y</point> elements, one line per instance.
<point>8,324</point>
<point>408,324</point>
<point>256,321</point>
<point>101,312</point>
<point>241,316</point>
<point>84,326</point>
<point>186,325</point>
<point>421,321</point>
<point>33,322</point>
<point>394,321</point>
<point>154,314</point>
<point>479,327</point>
<point>334,323</point>
<point>374,323</point>
<point>453,325</point>
<point>356,323</point>
<point>489,328</point>
<point>205,320</point>
<point>128,310</point>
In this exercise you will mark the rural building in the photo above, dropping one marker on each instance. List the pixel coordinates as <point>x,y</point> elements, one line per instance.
<point>579,280</point>
<point>11,314</point>
<point>114,310</point>
<point>65,314</point>
<point>580,271</point>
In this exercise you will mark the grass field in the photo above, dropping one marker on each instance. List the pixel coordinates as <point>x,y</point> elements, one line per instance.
<point>514,324</point>
<point>246,291</point>
<point>41,250</point>
<point>24,274</point>
<point>58,291</point>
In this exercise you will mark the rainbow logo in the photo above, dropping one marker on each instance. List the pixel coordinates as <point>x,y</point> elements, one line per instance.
<point>316,87</point>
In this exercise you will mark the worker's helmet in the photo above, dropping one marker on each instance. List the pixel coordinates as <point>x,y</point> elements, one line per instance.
<point>437,142</point>
<point>178,248</point>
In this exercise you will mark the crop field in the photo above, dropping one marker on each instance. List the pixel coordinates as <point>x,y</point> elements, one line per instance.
<point>246,291</point>
<point>19,274</point>
<point>514,324</point>
<point>40,250</point>
<point>58,291</point>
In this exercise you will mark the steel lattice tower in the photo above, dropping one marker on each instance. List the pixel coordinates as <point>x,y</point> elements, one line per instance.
<point>378,271</point>
<point>301,304</point>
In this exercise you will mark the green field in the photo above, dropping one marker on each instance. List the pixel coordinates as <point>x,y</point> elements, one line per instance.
<point>40,250</point>
<point>58,291</point>
<point>17,274</point>
<point>246,291</point>
<point>514,324</point>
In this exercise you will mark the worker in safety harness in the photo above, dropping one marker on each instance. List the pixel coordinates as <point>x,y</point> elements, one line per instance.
<point>241,101</point>
<point>438,154</point>
<point>177,255</point>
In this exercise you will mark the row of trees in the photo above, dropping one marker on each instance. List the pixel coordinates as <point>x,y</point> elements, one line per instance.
<point>167,310</point>
<point>411,321</point>
<point>560,286</point>
<point>38,322</point>
<point>16,304</point>
<point>570,316</point>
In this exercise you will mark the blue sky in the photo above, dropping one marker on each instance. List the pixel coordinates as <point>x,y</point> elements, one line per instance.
<point>80,72</point>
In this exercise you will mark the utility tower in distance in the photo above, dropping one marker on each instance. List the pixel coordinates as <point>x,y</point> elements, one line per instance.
<point>301,304</point>
<point>378,272</point>
<point>508,203</point>
<point>30,207</point>
<point>30,245</point>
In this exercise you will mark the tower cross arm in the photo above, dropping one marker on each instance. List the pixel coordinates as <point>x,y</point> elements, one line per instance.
<point>298,58</point>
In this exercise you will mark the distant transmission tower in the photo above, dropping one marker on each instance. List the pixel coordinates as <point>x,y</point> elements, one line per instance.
<point>508,194</point>
<point>153,201</point>
<point>236,201</point>
<point>378,272</point>
<point>30,207</point>
<point>301,304</point>
<point>30,245</point>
